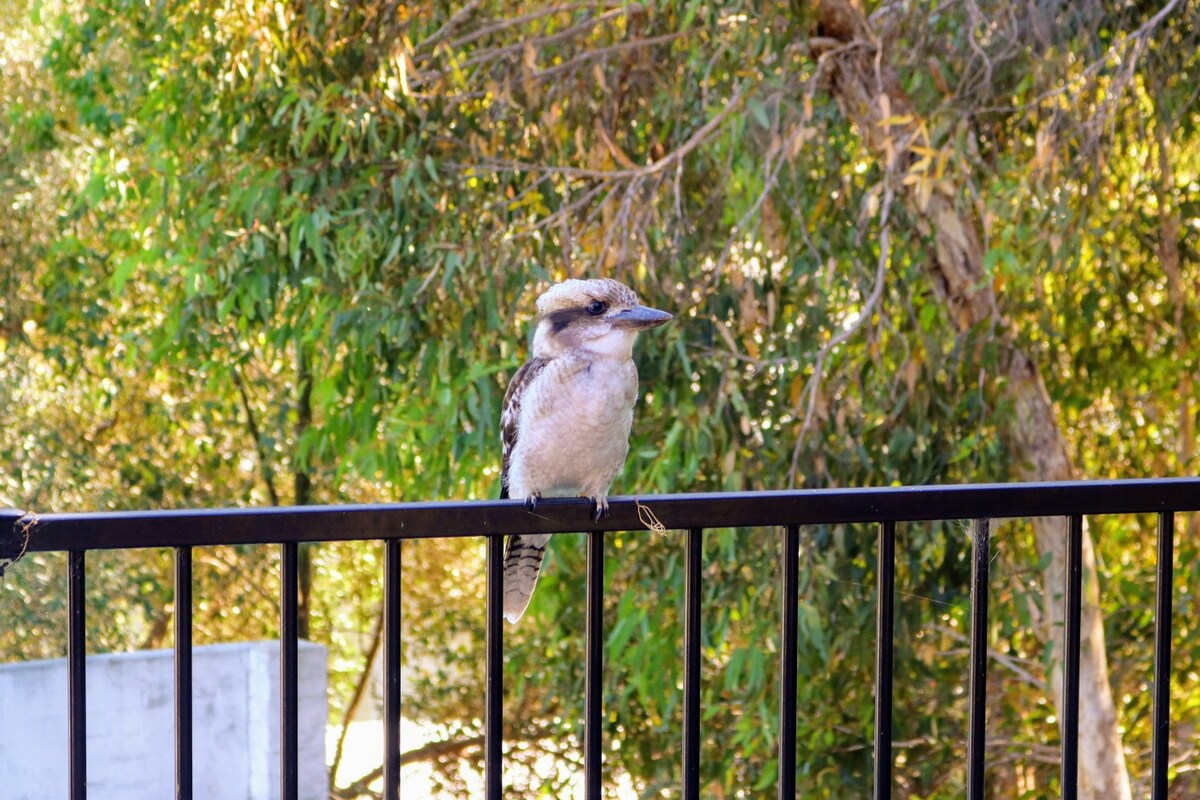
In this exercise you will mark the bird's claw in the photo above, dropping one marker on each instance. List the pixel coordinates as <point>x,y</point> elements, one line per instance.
<point>531,502</point>
<point>599,508</point>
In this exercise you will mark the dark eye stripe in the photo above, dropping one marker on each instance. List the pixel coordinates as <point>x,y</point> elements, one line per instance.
<point>560,319</point>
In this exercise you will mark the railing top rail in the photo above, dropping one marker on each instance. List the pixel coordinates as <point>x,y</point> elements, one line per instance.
<point>134,529</point>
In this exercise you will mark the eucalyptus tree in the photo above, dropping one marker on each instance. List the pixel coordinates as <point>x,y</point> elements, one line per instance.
<point>307,239</point>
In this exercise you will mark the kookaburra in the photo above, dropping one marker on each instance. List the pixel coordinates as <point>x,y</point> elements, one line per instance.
<point>567,412</point>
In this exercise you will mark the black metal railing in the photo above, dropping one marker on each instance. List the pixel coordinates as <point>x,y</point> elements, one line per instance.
<point>289,527</point>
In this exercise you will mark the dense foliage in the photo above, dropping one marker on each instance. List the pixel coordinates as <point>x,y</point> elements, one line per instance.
<point>287,252</point>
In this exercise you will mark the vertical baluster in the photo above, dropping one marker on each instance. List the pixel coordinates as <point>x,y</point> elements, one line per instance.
<point>289,653</point>
<point>494,678</point>
<point>1162,656</point>
<point>884,628</point>
<point>788,654</point>
<point>1070,710</point>
<point>76,675</point>
<point>977,700</point>
<point>691,665</point>
<point>183,673</point>
<point>593,720</point>
<point>391,669</point>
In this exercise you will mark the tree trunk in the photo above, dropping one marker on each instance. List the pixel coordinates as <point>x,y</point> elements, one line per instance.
<point>1169,226</point>
<point>870,97</point>
<point>302,491</point>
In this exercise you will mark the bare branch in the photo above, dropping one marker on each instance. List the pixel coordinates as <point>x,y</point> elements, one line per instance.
<point>505,24</point>
<point>775,158</point>
<point>1011,663</point>
<point>503,51</point>
<point>868,309</point>
<point>1135,41</point>
<point>264,461</point>
<point>605,52</point>
<point>427,752</point>
<point>360,691</point>
<point>670,159</point>
<point>456,19</point>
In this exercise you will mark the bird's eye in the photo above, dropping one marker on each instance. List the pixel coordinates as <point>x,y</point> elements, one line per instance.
<point>597,307</point>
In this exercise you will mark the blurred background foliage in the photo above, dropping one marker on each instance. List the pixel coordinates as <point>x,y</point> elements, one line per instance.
<point>286,252</point>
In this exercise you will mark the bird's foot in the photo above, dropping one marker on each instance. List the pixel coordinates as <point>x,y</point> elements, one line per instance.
<point>599,508</point>
<point>532,501</point>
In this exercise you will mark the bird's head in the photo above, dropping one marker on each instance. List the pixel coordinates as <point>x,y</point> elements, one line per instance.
<point>600,316</point>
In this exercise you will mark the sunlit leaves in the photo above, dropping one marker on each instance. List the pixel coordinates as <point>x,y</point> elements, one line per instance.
<point>251,243</point>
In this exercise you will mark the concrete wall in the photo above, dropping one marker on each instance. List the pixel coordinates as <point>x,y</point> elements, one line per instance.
<point>130,725</point>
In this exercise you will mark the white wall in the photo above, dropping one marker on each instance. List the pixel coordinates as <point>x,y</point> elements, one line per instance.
<point>131,724</point>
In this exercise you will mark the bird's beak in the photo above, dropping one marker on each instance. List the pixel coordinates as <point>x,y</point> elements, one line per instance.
<point>640,317</point>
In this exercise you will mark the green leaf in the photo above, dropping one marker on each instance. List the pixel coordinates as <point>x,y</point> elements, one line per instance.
<point>121,274</point>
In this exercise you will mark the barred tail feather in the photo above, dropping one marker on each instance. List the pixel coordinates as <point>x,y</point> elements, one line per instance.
<point>522,563</point>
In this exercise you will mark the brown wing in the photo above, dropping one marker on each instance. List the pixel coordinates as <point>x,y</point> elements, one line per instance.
<point>510,414</point>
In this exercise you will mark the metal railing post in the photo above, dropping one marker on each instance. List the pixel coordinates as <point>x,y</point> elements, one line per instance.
<point>691,664</point>
<point>493,740</point>
<point>593,717</point>
<point>77,675</point>
<point>391,669</point>
<point>884,630</point>
<point>289,673</point>
<point>183,673</point>
<point>1071,631</point>
<point>977,698</point>
<point>788,655</point>
<point>1161,740</point>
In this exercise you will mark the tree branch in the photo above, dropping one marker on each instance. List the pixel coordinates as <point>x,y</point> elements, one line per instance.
<point>813,385</point>
<point>482,57</point>
<point>264,462</point>
<point>694,141</point>
<point>360,691</point>
<point>427,752</point>
<point>605,52</point>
